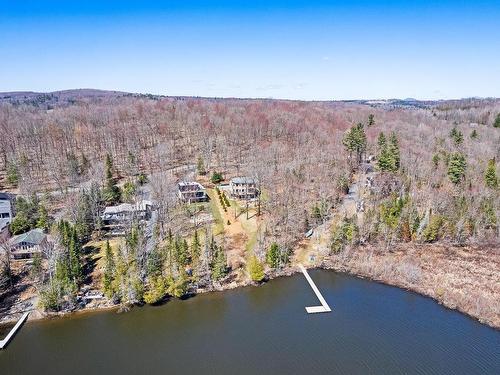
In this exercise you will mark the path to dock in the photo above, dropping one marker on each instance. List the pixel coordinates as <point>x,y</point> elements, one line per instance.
<point>5,341</point>
<point>315,309</point>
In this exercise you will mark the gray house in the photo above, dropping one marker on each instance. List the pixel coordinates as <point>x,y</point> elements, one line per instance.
<point>6,213</point>
<point>126,212</point>
<point>243,188</point>
<point>24,246</point>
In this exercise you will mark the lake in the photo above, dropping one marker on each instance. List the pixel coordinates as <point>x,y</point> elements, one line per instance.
<point>373,329</point>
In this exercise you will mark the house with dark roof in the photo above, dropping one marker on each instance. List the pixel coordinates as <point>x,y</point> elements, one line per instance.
<point>24,246</point>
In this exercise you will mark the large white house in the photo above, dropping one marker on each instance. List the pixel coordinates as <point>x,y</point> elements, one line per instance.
<point>125,212</point>
<point>243,188</point>
<point>191,192</point>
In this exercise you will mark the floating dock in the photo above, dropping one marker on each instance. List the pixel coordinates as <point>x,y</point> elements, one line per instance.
<point>5,341</point>
<point>315,309</point>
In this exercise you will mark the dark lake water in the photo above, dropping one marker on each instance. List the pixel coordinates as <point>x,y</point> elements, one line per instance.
<point>373,329</point>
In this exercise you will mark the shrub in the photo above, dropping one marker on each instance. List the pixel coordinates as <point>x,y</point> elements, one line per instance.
<point>273,255</point>
<point>343,234</point>
<point>433,230</point>
<point>216,177</point>
<point>255,269</point>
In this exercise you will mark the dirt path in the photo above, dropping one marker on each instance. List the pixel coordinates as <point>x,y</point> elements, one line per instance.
<point>313,250</point>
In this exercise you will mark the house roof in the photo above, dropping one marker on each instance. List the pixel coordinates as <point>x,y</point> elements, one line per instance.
<point>190,183</point>
<point>5,196</point>
<point>243,180</point>
<point>34,237</point>
<point>127,207</point>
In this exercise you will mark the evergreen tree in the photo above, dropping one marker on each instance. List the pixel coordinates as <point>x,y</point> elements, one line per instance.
<point>255,269</point>
<point>195,246</point>
<point>74,251</point>
<point>273,255</point>
<point>496,123</point>
<point>43,218</point>
<point>381,141</point>
<point>156,291</point>
<point>216,177</point>
<point>155,262</point>
<point>109,271</point>
<point>355,141</point>
<point>179,286</point>
<point>200,166</point>
<point>384,162</point>
<point>474,135</point>
<point>456,167</point>
<point>457,136</point>
<point>20,223</point>
<point>181,251</point>
<point>111,192</point>
<point>371,119</point>
<point>394,155</point>
<point>12,174</point>
<point>490,175</point>
<point>129,190</point>
<point>218,265</point>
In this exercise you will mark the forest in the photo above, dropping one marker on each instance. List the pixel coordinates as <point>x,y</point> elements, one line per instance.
<point>428,174</point>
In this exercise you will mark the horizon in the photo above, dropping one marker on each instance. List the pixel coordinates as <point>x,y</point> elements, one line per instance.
<point>321,51</point>
<point>245,98</point>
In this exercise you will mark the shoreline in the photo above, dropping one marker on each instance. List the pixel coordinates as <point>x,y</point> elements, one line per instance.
<point>327,265</point>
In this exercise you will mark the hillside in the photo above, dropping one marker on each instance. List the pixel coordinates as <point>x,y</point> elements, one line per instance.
<point>364,177</point>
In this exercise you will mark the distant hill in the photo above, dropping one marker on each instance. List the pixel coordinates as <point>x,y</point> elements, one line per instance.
<point>53,99</point>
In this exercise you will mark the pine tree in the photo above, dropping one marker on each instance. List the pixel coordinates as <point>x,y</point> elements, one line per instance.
<point>384,162</point>
<point>474,134</point>
<point>496,124</point>
<point>457,136</point>
<point>43,218</point>
<point>255,269</point>
<point>195,246</point>
<point>111,192</point>
<point>218,265</point>
<point>456,167</point>
<point>355,141</point>
<point>381,141</point>
<point>371,119</point>
<point>12,174</point>
<point>273,255</point>
<point>75,257</point>
<point>490,175</point>
<point>109,271</point>
<point>393,150</point>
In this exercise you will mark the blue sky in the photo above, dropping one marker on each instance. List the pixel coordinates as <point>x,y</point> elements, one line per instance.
<point>313,50</point>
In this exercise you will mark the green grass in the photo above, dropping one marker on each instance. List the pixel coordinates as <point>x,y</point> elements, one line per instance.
<point>219,224</point>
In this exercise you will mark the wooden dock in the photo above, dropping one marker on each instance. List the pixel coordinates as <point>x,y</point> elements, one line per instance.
<point>315,309</point>
<point>5,341</point>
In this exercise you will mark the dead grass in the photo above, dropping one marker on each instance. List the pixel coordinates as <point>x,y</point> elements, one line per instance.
<point>463,278</point>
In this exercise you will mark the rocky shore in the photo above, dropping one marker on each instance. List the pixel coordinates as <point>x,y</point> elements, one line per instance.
<point>463,278</point>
